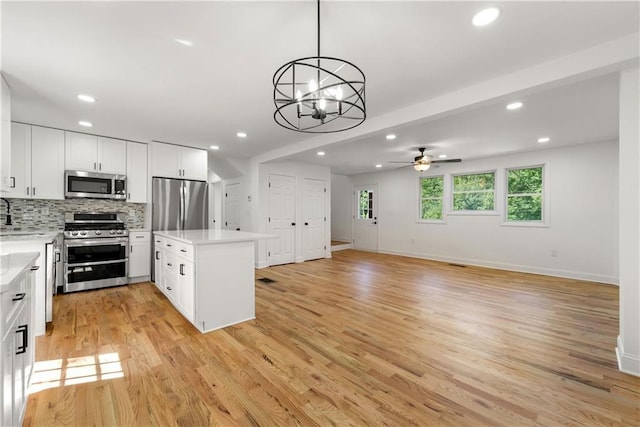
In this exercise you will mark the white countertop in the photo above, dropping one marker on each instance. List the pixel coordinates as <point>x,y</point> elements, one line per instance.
<point>42,237</point>
<point>212,236</point>
<point>13,265</point>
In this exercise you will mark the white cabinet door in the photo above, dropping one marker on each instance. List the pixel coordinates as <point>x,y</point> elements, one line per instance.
<point>112,156</point>
<point>5,136</point>
<point>186,286</point>
<point>194,163</point>
<point>166,161</point>
<point>137,177</point>
<point>81,152</point>
<point>47,163</point>
<point>20,185</point>
<point>6,369</point>
<point>139,253</point>
<point>158,263</point>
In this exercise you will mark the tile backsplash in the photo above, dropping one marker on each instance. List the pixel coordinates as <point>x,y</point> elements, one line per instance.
<point>37,214</point>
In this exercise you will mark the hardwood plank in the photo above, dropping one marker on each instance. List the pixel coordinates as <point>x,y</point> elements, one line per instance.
<point>358,339</point>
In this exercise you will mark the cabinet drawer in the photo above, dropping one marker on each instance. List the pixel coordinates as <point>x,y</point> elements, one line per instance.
<point>169,246</point>
<point>140,236</point>
<point>11,302</point>
<point>171,287</point>
<point>184,251</point>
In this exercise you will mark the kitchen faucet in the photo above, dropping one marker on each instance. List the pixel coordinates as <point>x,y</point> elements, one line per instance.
<point>8,211</point>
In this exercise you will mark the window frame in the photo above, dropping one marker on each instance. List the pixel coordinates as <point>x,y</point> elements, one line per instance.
<point>419,218</point>
<point>544,222</point>
<point>494,212</point>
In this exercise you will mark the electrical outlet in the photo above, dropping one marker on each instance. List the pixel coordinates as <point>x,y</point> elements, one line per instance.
<point>554,253</point>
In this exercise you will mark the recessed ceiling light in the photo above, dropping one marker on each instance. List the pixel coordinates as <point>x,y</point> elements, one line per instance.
<point>378,165</point>
<point>241,135</point>
<point>184,42</point>
<point>320,153</point>
<point>544,139</point>
<point>514,106</point>
<point>215,147</point>
<point>85,124</point>
<point>86,98</point>
<point>486,16</point>
<point>442,156</point>
<point>391,136</point>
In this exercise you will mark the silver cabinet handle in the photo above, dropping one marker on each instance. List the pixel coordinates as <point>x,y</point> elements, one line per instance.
<point>182,269</point>
<point>168,288</point>
<point>27,191</point>
<point>130,248</point>
<point>100,166</point>
<point>13,180</point>
<point>94,166</point>
<point>24,330</point>
<point>34,191</point>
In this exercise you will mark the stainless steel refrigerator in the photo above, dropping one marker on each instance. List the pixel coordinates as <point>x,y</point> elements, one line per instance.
<point>178,204</point>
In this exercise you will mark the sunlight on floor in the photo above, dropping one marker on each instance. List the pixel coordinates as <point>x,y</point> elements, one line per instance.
<point>75,370</point>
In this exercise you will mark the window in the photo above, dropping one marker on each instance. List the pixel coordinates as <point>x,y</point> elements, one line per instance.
<point>431,193</point>
<point>525,194</point>
<point>474,192</point>
<point>365,204</point>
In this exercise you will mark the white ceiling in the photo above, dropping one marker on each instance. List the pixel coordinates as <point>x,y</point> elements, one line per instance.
<point>148,87</point>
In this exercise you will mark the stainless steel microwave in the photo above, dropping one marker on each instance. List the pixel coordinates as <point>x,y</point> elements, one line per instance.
<point>95,185</point>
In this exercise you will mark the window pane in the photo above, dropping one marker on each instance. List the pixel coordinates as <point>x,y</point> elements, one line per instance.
<point>473,201</point>
<point>475,182</point>
<point>525,181</point>
<point>364,204</point>
<point>524,208</point>
<point>432,187</point>
<point>432,209</point>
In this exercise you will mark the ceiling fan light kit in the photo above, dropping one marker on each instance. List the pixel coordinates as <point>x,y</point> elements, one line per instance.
<point>319,94</point>
<point>423,162</point>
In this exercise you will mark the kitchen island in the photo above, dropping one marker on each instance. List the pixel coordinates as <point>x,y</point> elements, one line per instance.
<point>208,275</point>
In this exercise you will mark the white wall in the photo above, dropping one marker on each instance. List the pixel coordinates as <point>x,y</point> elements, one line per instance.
<point>582,206</point>
<point>628,349</point>
<point>341,208</point>
<point>300,171</point>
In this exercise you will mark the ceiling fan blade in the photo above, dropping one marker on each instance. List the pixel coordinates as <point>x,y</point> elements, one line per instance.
<point>447,161</point>
<point>410,163</point>
<point>402,167</point>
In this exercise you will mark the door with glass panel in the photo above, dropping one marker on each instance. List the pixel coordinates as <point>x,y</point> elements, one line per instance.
<point>366,218</point>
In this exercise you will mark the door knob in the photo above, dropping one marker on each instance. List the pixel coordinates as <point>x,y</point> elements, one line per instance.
<point>306,223</point>
<point>293,224</point>
<point>375,222</point>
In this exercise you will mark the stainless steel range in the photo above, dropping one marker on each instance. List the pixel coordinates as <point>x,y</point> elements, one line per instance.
<point>96,251</point>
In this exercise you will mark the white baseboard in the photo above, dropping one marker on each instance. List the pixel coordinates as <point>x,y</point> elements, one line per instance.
<point>341,247</point>
<point>511,267</point>
<point>262,264</point>
<point>628,363</point>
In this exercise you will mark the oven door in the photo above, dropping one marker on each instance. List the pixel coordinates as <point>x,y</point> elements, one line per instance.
<point>95,263</point>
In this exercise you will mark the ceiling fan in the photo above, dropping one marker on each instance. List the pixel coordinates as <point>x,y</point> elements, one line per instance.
<point>423,162</point>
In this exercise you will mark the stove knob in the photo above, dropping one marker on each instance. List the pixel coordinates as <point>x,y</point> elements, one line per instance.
<point>98,232</point>
<point>119,231</point>
<point>74,233</point>
<point>112,232</point>
<point>83,233</point>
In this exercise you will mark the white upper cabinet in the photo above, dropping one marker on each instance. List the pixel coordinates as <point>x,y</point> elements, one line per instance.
<point>37,162</point>
<point>6,183</point>
<point>95,154</point>
<point>173,161</point>
<point>137,177</point>
<point>194,163</point>
<point>112,156</point>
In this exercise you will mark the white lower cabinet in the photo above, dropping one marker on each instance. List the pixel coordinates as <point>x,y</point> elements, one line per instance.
<point>18,345</point>
<point>158,260</point>
<point>186,284</point>
<point>139,255</point>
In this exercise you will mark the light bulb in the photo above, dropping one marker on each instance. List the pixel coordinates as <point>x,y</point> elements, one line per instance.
<point>298,95</point>
<point>339,93</point>
<point>322,104</point>
<point>313,86</point>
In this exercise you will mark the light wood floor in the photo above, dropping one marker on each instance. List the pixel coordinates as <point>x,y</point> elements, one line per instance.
<point>361,339</point>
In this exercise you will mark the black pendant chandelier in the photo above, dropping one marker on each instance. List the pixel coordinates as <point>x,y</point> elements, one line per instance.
<point>319,94</point>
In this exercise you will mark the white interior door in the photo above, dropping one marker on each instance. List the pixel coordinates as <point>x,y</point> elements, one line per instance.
<point>314,219</point>
<point>366,218</point>
<point>282,219</point>
<point>232,207</point>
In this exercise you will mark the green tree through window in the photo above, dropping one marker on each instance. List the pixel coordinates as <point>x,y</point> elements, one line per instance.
<point>474,192</point>
<point>431,193</point>
<point>525,194</point>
